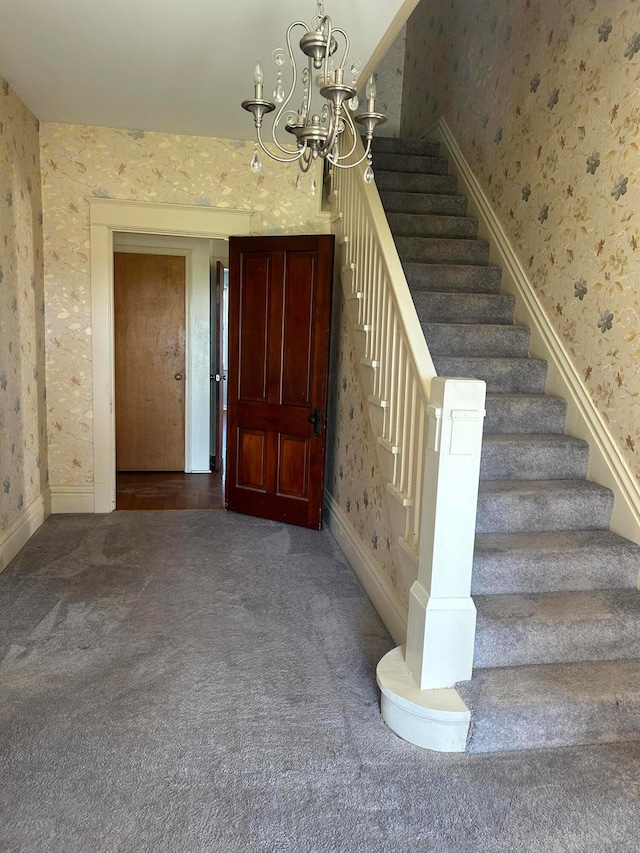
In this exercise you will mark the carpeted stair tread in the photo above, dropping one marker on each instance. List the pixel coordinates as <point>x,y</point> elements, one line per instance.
<point>533,457</point>
<point>442,250</point>
<point>505,563</point>
<point>406,182</point>
<point>430,203</point>
<point>412,163</point>
<point>557,627</point>
<point>424,147</point>
<point>429,225</point>
<point>458,278</point>
<point>436,307</point>
<point>524,413</point>
<point>502,375</point>
<point>553,705</point>
<point>530,506</point>
<point>477,339</point>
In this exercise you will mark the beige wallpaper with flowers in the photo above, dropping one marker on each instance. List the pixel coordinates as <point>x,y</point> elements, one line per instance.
<point>79,162</point>
<point>23,453</point>
<point>389,78</point>
<point>353,475</point>
<point>544,99</point>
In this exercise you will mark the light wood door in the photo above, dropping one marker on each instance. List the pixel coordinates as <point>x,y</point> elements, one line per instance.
<point>279,317</point>
<point>149,361</point>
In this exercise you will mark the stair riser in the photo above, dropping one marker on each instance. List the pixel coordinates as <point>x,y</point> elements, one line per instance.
<point>414,164</point>
<point>405,182</point>
<point>535,512</point>
<point>547,733</point>
<point>553,706</point>
<point>597,564</point>
<point>482,341</point>
<point>524,415</point>
<point>527,643</point>
<point>410,225</point>
<point>421,147</point>
<point>539,461</point>
<point>424,203</point>
<point>442,251</point>
<point>503,376</point>
<point>452,278</point>
<point>467,308</point>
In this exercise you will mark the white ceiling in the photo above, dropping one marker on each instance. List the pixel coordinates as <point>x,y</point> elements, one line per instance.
<point>180,66</point>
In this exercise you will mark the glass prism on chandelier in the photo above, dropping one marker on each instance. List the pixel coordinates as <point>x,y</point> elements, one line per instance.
<point>317,133</point>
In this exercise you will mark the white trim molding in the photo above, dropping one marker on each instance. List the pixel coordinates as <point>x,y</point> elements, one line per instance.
<point>22,528</point>
<point>72,498</point>
<point>606,462</point>
<point>377,586</point>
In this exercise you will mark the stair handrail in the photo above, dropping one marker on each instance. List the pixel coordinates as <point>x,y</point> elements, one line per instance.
<point>432,425</point>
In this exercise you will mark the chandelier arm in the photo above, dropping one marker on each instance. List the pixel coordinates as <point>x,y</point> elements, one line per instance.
<point>334,124</point>
<point>347,46</point>
<point>348,165</point>
<point>274,156</point>
<point>354,139</point>
<point>326,21</point>
<point>280,112</point>
<point>354,135</point>
<point>305,164</point>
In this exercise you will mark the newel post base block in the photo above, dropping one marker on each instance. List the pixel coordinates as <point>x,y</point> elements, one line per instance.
<point>440,638</point>
<point>432,719</point>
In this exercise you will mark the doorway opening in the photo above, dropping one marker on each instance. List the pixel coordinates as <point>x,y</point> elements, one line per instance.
<point>170,332</point>
<point>108,216</point>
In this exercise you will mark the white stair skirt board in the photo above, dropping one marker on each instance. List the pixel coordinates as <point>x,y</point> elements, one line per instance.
<point>22,528</point>
<point>606,463</point>
<point>432,719</point>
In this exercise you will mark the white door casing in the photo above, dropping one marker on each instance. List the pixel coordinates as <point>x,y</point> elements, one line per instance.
<point>106,217</point>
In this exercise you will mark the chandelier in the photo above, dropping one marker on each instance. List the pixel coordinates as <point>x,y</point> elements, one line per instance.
<point>327,102</point>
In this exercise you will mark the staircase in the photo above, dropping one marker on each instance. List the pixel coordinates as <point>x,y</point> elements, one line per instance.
<point>557,655</point>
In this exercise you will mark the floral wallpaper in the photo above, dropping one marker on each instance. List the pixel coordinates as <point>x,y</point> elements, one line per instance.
<point>544,99</point>
<point>389,77</point>
<point>23,452</point>
<point>353,476</point>
<point>80,161</point>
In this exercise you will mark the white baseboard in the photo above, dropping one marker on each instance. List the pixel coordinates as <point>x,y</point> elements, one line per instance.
<point>72,499</point>
<point>22,528</point>
<point>607,465</point>
<point>383,596</point>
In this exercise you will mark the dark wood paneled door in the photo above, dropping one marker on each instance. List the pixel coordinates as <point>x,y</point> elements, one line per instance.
<point>279,318</point>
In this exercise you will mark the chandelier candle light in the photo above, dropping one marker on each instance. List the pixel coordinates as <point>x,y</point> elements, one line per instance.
<point>317,134</point>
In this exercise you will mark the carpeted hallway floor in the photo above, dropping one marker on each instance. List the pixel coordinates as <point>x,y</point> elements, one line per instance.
<point>202,681</point>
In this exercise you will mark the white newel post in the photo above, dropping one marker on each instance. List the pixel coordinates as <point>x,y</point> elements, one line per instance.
<point>418,699</point>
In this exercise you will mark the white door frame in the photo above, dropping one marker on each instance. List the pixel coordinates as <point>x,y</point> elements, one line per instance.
<point>196,252</point>
<point>105,217</point>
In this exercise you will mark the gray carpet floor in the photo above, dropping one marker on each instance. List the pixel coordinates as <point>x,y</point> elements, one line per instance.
<point>203,681</point>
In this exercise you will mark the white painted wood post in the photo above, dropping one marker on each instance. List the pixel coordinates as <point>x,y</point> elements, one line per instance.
<point>442,615</point>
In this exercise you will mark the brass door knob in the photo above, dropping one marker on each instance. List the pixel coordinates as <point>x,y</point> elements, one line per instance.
<point>178,377</point>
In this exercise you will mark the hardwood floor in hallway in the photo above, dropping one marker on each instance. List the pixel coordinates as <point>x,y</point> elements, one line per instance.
<point>168,490</point>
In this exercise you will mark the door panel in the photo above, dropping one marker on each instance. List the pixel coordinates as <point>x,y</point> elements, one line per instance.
<point>254,321</point>
<point>279,315</point>
<point>252,459</point>
<point>297,347</point>
<point>149,300</point>
<point>293,466</point>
